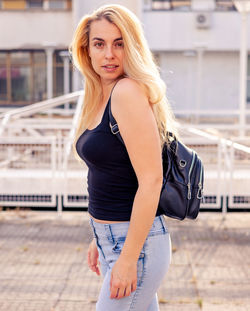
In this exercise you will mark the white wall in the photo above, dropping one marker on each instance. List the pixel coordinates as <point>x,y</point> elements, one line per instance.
<point>219,86</point>
<point>32,29</point>
<point>82,7</point>
<point>166,31</point>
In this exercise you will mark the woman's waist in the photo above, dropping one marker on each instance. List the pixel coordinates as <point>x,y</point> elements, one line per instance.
<point>120,228</point>
<point>106,221</point>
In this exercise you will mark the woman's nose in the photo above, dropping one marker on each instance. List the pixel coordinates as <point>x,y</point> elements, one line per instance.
<point>109,53</point>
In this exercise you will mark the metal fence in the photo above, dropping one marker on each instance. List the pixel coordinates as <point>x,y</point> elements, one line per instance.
<point>38,168</point>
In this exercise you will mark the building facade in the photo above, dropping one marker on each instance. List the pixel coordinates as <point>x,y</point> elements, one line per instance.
<point>196,43</point>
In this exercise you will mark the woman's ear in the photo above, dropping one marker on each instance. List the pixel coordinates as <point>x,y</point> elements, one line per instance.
<point>88,52</point>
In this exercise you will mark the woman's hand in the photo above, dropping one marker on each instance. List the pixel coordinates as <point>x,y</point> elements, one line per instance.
<point>93,261</point>
<point>123,278</point>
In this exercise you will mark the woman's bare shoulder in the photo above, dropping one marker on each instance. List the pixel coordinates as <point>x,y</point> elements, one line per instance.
<point>128,89</point>
<point>129,100</point>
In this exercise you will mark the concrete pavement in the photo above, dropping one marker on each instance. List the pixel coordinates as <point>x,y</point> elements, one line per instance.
<point>43,263</point>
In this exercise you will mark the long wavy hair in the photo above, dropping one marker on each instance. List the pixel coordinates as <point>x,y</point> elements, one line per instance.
<point>139,64</point>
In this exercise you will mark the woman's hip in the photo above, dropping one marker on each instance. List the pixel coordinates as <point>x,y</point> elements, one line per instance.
<point>110,239</point>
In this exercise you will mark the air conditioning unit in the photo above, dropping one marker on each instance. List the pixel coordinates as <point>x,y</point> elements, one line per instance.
<point>203,20</point>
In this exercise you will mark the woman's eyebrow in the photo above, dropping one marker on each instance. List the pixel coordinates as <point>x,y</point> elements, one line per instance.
<point>100,39</point>
<point>95,38</point>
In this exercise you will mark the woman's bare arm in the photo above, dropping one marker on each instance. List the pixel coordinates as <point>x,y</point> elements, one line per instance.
<point>138,128</point>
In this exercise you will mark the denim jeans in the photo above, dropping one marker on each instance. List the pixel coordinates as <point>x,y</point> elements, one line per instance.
<point>152,264</point>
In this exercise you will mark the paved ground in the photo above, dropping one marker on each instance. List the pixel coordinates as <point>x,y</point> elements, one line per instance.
<point>43,263</point>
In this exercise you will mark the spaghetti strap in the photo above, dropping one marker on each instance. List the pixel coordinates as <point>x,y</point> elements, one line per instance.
<point>114,87</point>
<point>112,122</point>
<point>109,100</point>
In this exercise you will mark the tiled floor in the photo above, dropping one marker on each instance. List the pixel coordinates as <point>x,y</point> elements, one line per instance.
<point>43,263</point>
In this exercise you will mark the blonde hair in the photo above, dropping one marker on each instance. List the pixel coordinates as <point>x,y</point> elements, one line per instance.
<point>139,65</point>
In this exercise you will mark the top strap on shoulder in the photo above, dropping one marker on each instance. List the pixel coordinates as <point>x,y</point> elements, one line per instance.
<point>114,87</point>
<point>112,122</point>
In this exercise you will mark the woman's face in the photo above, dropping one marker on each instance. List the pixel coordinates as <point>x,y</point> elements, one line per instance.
<point>106,50</point>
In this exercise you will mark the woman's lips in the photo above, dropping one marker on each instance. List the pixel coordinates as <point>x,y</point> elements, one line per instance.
<point>110,68</point>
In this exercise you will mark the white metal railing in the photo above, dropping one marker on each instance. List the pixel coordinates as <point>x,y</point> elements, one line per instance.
<point>40,155</point>
<point>41,106</point>
<point>37,151</point>
<point>19,157</point>
<point>210,112</point>
<point>228,172</point>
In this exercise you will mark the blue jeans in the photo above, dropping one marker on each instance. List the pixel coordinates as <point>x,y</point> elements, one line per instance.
<point>152,264</point>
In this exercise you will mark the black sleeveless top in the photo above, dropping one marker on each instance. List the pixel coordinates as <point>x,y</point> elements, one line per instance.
<point>112,182</point>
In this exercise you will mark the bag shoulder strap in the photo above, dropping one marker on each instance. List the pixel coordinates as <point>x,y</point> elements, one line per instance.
<point>112,122</point>
<point>114,126</point>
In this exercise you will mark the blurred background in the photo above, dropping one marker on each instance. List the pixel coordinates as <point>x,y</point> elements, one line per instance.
<point>201,47</point>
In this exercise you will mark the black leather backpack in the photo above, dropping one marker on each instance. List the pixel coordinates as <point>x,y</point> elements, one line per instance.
<point>183,177</point>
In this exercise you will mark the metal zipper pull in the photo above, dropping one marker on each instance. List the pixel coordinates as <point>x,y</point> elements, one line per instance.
<point>189,191</point>
<point>200,192</point>
<point>189,174</point>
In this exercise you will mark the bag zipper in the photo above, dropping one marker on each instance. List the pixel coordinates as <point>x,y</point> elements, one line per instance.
<point>200,190</point>
<point>189,174</point>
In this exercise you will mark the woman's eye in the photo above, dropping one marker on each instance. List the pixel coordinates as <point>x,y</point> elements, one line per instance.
<point>119,44</point>
<point>98,44</point>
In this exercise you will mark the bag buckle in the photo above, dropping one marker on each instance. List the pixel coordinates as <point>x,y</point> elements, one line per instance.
<point>116,130</point>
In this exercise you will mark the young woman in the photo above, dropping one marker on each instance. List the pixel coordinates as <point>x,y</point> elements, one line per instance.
<point>131,241</point>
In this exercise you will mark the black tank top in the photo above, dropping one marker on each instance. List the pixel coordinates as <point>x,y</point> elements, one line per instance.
<point>112,182</point>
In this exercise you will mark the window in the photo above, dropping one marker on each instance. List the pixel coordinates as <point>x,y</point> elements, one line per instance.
<point>185,5</point>
<point>225,5</point>
<point>13,4</point>
<point>35,3</point>
<point>3,76</point>
<point>180,5</point>
<point>69,4</point>
<point>161,4</point>
<point>57,4</point>
<point>58,74</point>
<point>39,89</point>
<point>248,80</point>
<point>20,76</point>
<point>23,76</point>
